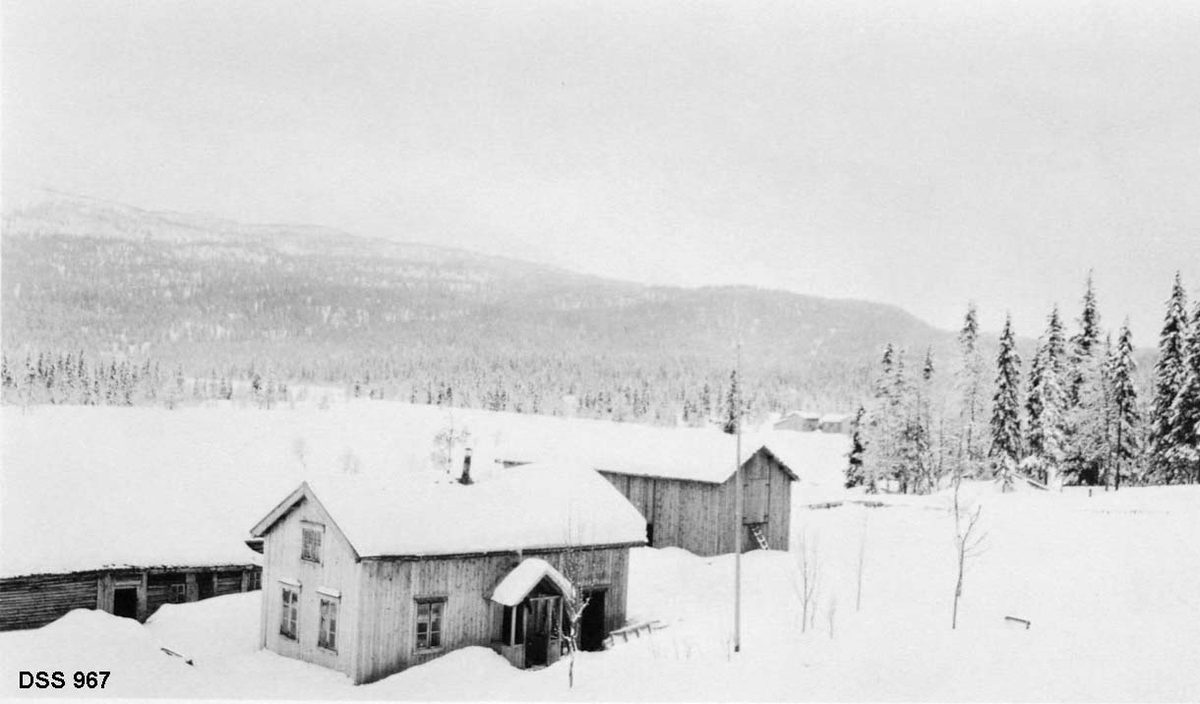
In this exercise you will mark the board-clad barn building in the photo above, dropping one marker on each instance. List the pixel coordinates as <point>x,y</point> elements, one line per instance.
<point>683,482</point>
<point>370,577</point>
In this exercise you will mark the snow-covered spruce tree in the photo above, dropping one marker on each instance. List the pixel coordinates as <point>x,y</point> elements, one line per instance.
<point>1086,438</point>
<point>1084,343</point>
<point>855,475</point>
<point>1088,422</point>
<point>1125,407</point>
<point>899,414</point>
<point>733,405</point>
<point>1045,406</point>
<point>1006,409</point>
<point>970,387</point>
<point>1184,452</point>
<point>1169,376</point>
<point>919,455</point>
<point>885,422</point>
<point>876,441</point>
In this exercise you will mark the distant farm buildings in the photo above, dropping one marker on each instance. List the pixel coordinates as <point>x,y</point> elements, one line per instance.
<point>804,422</point>
<point>370,578</point>
<point>799,422</point>
<point>837,423</point>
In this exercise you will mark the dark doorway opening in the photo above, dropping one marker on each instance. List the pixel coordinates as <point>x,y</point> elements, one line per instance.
<point>125,602</point>
<point>650,534</point>
<point>204,586</point>
<point>591,624</point>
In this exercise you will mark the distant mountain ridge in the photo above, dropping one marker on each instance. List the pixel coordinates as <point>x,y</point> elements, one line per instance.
<point>205,292</point>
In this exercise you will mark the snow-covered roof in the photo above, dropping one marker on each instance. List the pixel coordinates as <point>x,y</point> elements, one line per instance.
<point>807,415</point>
<point>528,507</point>
<point>701,455</point>
<point>517,584</point>
<point>818,459</point>
<point>835,418</point>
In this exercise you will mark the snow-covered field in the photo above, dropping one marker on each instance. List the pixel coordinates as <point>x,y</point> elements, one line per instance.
<point>1109,583</point>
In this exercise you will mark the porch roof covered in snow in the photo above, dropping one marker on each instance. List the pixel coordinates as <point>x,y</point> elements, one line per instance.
<point>530,507</point>
<point>517,584</point>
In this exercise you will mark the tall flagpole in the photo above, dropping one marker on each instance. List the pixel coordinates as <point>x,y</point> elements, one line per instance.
<point>737,483</point>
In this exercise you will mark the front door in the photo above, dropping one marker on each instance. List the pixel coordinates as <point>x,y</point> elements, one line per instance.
<point>591,624</point>
<point>543,633</point>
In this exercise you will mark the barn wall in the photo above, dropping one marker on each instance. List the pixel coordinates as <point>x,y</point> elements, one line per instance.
<point>337,570</point>
<point>228,582</point>
<point>683,513</point>
<point>779,507</point>
<point>780,526</point>
<point>32,602</point>
<point>158,589</point>
<point>387,631</point>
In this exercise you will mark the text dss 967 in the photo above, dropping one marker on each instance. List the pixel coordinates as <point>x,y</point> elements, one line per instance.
<point>58,679</point>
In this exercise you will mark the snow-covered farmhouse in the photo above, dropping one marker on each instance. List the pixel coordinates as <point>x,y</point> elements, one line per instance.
<point>370,577</point>
<point>682,482</point>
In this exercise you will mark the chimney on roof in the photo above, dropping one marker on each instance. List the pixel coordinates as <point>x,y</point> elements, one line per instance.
<point>466,473</point>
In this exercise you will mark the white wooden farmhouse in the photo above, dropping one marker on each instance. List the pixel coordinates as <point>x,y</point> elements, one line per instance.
<point>370,577</point>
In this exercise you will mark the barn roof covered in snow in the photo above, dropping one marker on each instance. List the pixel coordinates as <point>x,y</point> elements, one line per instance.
<point>819,459</point>
<point>639,450</point>
<point>529,507</point>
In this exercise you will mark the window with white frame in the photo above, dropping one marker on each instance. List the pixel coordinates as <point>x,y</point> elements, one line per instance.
<point>429,623</point>
<point>327,635</point>
<point>289,612</point>
<point>312,534</point>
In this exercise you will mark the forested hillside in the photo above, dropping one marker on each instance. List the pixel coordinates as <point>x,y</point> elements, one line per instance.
<point>194,297</point>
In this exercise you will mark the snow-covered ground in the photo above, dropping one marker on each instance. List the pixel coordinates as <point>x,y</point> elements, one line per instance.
<point>1109,583</point>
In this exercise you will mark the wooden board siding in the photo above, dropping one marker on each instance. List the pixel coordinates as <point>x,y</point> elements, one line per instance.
<point>700,517</point>
<point>32,602</point>
<point>337,570</point>
<point>390,587</point>
<point>779,490</point>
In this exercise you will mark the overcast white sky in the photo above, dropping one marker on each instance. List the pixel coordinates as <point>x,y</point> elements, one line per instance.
<point>920,154</point>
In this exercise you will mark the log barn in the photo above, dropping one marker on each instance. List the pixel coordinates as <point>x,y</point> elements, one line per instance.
<point>105,515</point>
<point>369,577</point>
<point>32,601</point>
<point>683,482</point>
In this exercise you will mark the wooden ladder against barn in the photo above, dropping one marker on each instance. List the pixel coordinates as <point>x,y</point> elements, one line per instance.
<point>756,531</point>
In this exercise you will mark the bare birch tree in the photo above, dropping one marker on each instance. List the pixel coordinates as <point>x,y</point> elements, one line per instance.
<point>808,561</point>
<point>968,542</point>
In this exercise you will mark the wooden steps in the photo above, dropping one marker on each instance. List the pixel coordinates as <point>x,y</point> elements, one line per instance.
<point>634,630</point>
